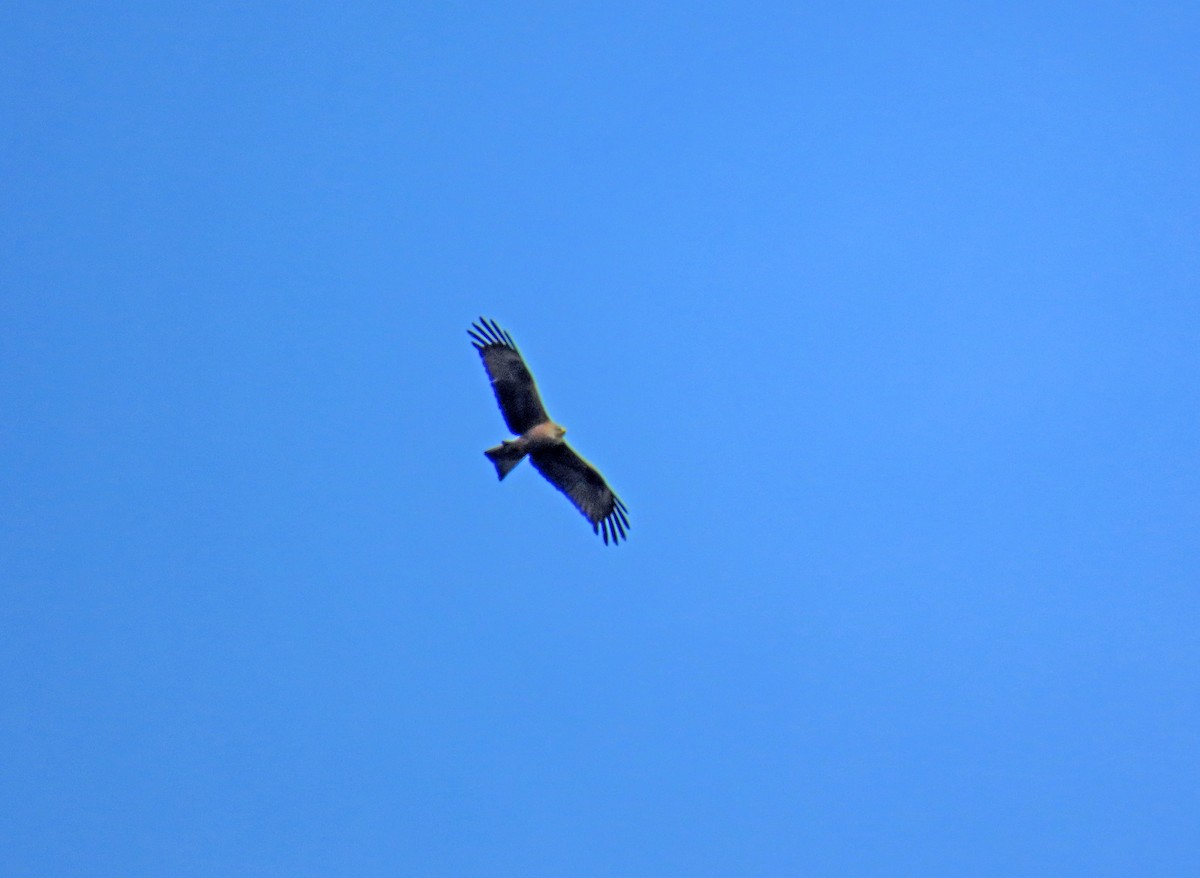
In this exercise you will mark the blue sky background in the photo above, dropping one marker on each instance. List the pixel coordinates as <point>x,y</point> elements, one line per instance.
<point>882,318</point>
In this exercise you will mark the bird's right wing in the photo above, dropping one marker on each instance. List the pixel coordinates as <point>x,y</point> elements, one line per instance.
<point>515,390</point>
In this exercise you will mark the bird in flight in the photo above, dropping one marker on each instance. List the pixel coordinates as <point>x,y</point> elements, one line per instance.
<point>540,438</point>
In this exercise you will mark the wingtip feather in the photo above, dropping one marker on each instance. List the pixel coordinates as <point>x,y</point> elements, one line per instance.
<point>487,332</point>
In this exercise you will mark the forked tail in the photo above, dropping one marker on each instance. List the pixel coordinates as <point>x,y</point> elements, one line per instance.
<point>505,456</point>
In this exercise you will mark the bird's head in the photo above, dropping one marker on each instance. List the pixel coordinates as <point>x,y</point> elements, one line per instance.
<point>560,430</point>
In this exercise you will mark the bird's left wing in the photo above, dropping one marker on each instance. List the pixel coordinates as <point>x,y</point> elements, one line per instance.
<point>586,488</point>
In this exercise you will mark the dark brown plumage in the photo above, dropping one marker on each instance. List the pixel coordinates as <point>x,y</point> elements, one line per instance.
<point>539,438</point>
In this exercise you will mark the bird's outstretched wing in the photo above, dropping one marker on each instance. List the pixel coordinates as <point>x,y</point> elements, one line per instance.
<point>512,383</point>
<point>586,488</point>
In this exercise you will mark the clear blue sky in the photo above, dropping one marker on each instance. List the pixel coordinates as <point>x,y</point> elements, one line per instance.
<point>883,319</point>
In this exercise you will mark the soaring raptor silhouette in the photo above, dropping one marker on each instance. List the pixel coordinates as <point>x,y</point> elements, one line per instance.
<point>540,438</point>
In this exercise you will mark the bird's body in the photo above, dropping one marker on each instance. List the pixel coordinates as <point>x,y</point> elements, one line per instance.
<point>545,435</point>
<point>540,438</point>
<point>510,452</point>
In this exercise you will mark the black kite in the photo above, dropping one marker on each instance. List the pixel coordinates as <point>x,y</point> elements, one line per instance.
<point>539,437</point>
